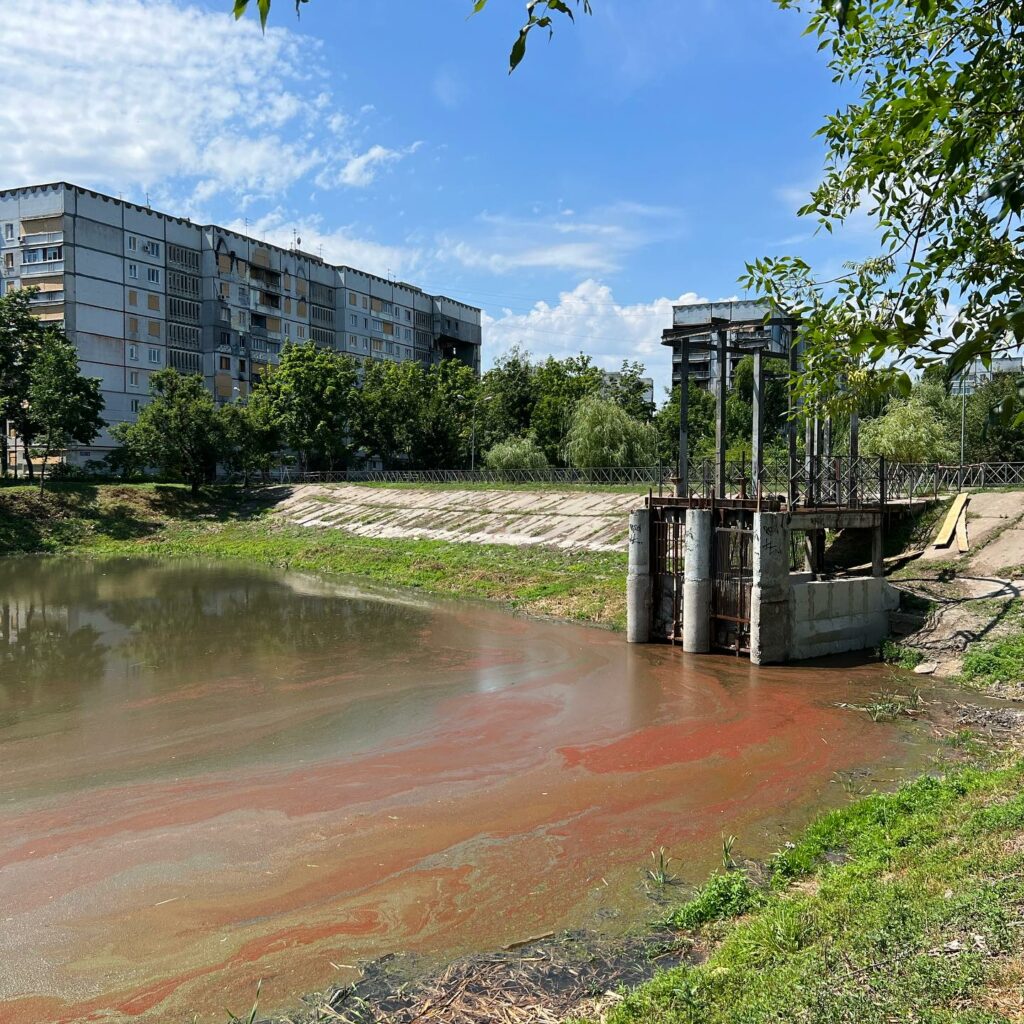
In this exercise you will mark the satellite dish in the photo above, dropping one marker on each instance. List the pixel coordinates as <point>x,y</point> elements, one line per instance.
<point>298,241</point>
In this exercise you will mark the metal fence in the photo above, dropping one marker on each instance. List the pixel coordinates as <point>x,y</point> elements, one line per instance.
<point>840,481</point>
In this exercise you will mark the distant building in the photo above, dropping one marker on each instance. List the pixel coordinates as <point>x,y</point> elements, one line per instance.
<point>613,375</point>
<point>137,291</point>
<point>976,374</point>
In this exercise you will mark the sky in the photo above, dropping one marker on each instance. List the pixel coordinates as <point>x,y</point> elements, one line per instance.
<point>636,160</point>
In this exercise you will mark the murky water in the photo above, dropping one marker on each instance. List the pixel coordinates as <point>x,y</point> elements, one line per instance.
<point>210,775</point>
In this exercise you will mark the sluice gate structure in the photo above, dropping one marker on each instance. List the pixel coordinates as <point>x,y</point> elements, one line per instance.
<point>712,567</point>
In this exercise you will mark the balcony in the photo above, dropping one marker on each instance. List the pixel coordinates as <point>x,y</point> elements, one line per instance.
<point>43,267</point>
<point>47,298</point>
<point>43,238</point>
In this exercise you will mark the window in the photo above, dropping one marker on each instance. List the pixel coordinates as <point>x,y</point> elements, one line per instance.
<point>154,302</point>
<point>353,320</point>
<point>133,378</point>
<point>225,290</point>
<point>135,405</point>
<point>241,366</point>
<point>154,355</point>
<point>225,362</point>
<point>133,271</point>
<point>243,294</point>
<point>302,331</point>
<point>153,275</point>
<point>225,337</point>
<point>133,325</point>
<point>352,298</point>
<point>9,260</point>
<point>8,231</point>
<point>365,304</point>
<point>366,344</point>
<point>133,351</point>
<point>133,297</point>
<point>154,328</point>
<point>151,248</point>
<point>133,243</point>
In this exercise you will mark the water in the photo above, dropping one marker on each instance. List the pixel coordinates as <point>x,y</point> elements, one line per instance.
<point>211,775</point>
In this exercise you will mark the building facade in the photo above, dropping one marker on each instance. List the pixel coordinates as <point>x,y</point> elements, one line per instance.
<point>137,291</point>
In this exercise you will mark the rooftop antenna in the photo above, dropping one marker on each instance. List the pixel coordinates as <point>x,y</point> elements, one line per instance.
<point>148,207</point>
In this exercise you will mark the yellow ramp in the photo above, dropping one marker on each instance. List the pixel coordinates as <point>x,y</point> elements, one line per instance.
<point>956,510</point>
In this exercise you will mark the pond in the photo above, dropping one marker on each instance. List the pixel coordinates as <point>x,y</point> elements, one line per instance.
<point>211,775</point>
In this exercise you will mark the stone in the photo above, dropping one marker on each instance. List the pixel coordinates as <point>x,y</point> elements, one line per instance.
<point>926,668</point>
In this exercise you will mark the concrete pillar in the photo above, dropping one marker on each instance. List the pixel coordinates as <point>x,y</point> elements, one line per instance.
<point>697,581</point>
<point>683,479</point>
<point>770,623</point>
<point>877,552</point>
<point>638,578</point>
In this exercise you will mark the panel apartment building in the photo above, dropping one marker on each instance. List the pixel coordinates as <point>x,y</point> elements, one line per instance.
<point>138,290</point>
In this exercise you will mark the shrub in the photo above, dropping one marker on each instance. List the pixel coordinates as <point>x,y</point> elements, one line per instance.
<point>516,453</point>
<point>727,895</point>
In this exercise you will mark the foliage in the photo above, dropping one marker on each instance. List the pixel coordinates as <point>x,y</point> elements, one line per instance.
<point>723,895</point>
<point>21,339</point>
<point>311,395</point>
<point>993,433</point>
<point>388,410</point>
<point>700,422</point>
<point>251,436</point>
<point>516,453</point>
<point>910,430</point>
<point>999,662</point>
<point>179,431</point>
<point>561,384</point>
<point>442,430</point>
<point>64,407</point>
<point>604,434</point>
<point>628,389</point>
<point>896,654</point>
<point>508,394</point>
<point>539,14</point>
<point>931,150</point>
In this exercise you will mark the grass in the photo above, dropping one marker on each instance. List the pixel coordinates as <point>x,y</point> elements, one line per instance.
<point>225,523</point>
<point>998,662</point>
<point>902,657</point>
<point>900,907</point>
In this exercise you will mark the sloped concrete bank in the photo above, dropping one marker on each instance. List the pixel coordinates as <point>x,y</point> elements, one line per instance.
<point>558,519</point>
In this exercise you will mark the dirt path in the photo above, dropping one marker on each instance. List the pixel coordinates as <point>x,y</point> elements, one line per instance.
<point>594,521</point>
<point>971,593</point>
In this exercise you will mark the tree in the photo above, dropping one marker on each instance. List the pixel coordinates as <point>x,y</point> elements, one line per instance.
<point>63,405</point>
<point>539,14</point>
<point>630,391</point>
<point>312,396</point>
<point>516,453</point>
<point>508,394</point>
<point>389,409</point>
<point>993,433</point>
<point>561,384</point>
<point>932,150</point>
<point>21,339</point>
<point>440,439</point>
<point>604,434</point>
<point>179,431</point>
<point>700,423</point>
<point>911,430</point>
<point>251,436</point>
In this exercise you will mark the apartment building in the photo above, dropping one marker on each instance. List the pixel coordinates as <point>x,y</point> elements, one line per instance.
<point>138,290</point>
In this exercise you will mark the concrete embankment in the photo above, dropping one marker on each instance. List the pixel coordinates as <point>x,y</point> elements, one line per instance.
<point>580,520</point>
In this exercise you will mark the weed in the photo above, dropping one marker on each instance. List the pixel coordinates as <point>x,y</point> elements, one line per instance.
<point>896,654</point>
<point>721,896</point>
<point>660,873</point>
<point>728,842</point>
<point>250,1018</point>
<point>1001,661</point>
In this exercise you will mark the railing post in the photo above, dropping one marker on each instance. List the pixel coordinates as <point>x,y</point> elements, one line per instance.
<point>881,481</point>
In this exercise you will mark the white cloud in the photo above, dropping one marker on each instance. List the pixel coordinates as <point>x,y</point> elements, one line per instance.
<point>360,171</point>
<point>131,95</point>
<point>597,243</point>
<point>588,319</point>
<point>337,245</point>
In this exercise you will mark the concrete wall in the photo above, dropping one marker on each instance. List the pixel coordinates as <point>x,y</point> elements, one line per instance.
<point>833,616</point>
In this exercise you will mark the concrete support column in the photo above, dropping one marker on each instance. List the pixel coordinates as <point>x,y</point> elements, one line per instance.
<point>770,625</point>
<point>877,559</point>
<point>638,578</point>
<point>697,581</point>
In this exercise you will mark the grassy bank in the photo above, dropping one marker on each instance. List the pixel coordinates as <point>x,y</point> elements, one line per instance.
<point>224,523</point>
<point>901,907</point>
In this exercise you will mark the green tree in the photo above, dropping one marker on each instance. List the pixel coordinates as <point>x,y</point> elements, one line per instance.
<point>604,434</point>
<point>389,409</point>
<point>932,151</point>
<point>561,384</point>
<point>64,406</point>
<point>516,453</point>
<point>21,340</point>
<point>700,423</point>
<point>179,431</point>
<point>252,436</point>
<point>911,430</point>
<point>508,394</point>
<point>441,437</point>
<point>313,397</point>
<point>629,390</point>
<point>993,433</point>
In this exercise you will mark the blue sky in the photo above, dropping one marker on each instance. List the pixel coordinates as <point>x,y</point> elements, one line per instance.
<point>640,157</point>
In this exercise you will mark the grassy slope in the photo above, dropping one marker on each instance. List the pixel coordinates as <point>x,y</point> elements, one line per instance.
<point>221,523</point>
<point>901,907</point>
